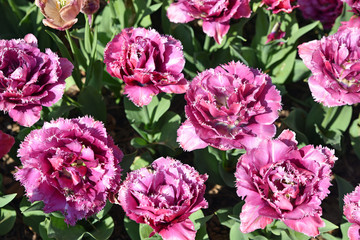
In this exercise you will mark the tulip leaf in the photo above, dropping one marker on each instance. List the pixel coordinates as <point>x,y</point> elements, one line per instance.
<point>236,234</point>
<point>205,162</point>
<point>102,229</point>
<point>92,103</point>
<point>329,226</point>
<point>132,228</point>
<point>199,221</point>
<point>5,199</point>
<point>58,229</point>
<point>344,187</point>
<point>344,230</point>
<point>355,136</point>
<point>7,219</point>
<point>170,121</point>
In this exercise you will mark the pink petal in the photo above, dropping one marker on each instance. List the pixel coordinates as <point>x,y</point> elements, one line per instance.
<point>178,13</point>
<point>217,30</point>
<point>181,230</point>
<point>251,219</point>
<point>6,142</point>
<point>188,138</point>
<point>139,95</point>
<point>308,225</point>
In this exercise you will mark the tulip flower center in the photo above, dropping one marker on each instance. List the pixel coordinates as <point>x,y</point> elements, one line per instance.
<point>63,3</point>
<point>282,183</point>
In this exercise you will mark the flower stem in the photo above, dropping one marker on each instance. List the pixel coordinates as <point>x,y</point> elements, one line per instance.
<point>77,77</point>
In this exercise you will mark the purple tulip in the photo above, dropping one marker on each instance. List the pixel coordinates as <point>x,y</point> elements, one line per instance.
<point>324,10</point>
<point>148,63</point>
<point>30,79</point>
<point>163,196</point>
<point>216,14</point>
<point>72,165</point>
<point>334,63</point>
<point>231,106</point>
<point>283,182</point>
<point>352,213</point>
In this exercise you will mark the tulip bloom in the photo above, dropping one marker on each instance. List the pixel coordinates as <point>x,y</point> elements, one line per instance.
<point>30,79</point>
<point>334,63</point>
<point>324,10</point>
<point>72,165</point>
<point>148,63</point>
<point>231,106</point>
<point>216,14</point>
<point>352,213</point>
<point>59,14</point>
<point>280,181</point>
<point>163,196</point>
<point>277,6</point>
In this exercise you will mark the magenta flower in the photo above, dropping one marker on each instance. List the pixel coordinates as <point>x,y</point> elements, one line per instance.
<point>283,182</point>
<point>72,165</point>
<point>216,14</point>
<point>163,196</point>
<point>354,4</point>
<point>326,11</point>
<point>276,34</point>
<point>354,22</point>
<point>277,6</point>
<point>334,63</point>
<point>30,79</point>
<point>352,213</point>
<point>231,106</point>
<point>148,63</point>
<point>6,142</point>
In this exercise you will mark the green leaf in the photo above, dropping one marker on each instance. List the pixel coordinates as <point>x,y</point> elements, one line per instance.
<point>5,199</point>
<point>32,214</point>
<point>141,161</point>
<point>302,31</point>
<point>102,229</point>
<point>223,216</point>
<point>199,221</point>
<point>145,230</point>
<point>329,226</point>
<point>132,228</point>
<point>355,136</point>
<point>7,219</point>
<point>139,142</point>
<point>126,162</point>
<point>58,229</point>
<point>301,72</point>
<point>296,122</point>
<point>206,162</point>
<point>344,230</point>
<point>63,50</point>
<point>236,234</point>
<point>100,215</point>
<point>158,106</point>
<point>170,121</point>
<point>344,187</point>
<point>92,103</point>
<point>283,69</point>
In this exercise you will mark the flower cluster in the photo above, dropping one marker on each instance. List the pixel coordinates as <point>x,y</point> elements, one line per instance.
<point>163,196</point>
<point>283,182</point>
<point>72,165</point>
<point>148,63</point>
<point>333,61</point>
<point>352,213</point>
<point>216,15</point>
<point>30,79</point>
<point>231,106</point>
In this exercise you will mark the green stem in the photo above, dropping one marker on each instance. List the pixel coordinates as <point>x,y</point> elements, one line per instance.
<point>207,43</point>
<point>76,75</point>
